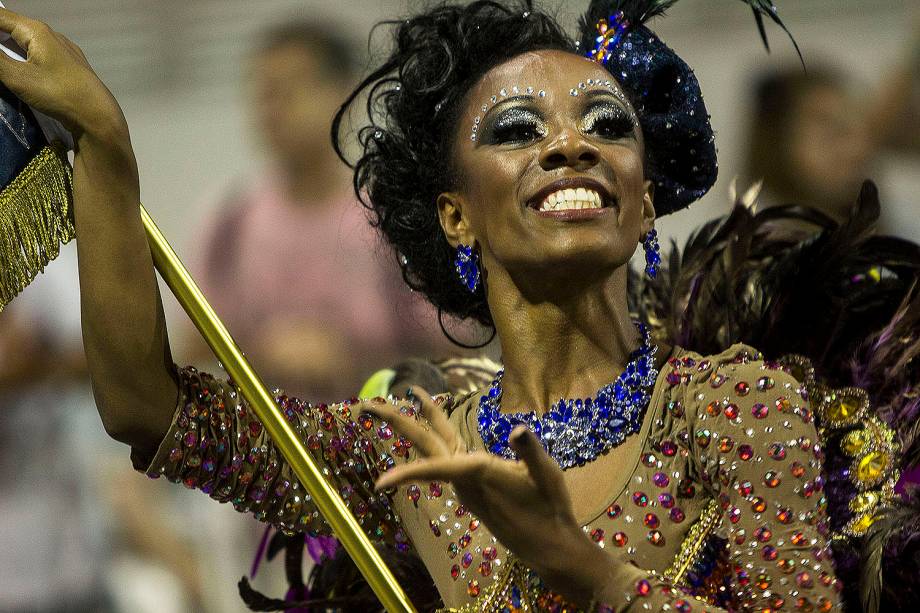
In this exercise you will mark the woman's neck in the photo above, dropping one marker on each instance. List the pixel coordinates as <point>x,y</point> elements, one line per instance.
<point>565,348</point>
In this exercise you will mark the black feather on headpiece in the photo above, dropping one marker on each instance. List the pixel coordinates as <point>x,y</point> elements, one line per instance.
<point>680,145</point>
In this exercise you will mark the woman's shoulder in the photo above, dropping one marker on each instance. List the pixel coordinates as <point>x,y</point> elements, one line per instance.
<point>739,360</point>
<point>739,379</point>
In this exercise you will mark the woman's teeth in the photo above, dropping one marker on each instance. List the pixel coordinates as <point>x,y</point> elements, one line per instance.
<point>571,199</point>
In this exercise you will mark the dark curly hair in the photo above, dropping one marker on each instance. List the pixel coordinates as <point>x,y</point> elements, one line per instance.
<point>413,102</point>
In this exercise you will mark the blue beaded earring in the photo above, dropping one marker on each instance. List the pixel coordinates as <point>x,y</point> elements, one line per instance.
<point>467,264</point>
<point>652,254</point>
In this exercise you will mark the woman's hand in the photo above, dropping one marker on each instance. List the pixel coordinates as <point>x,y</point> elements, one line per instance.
<point>524,503</point>
<point>57,80</point>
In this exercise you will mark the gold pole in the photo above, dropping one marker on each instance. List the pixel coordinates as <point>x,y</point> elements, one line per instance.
<point>334,511</point>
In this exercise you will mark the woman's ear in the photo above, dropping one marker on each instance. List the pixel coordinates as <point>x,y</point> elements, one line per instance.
<point>453,222</point>
<point>648,207</point>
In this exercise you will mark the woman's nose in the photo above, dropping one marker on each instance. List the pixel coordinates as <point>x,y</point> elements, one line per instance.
<point>569,148</point>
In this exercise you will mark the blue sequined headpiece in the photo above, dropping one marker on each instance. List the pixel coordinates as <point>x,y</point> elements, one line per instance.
<point>679,141</point>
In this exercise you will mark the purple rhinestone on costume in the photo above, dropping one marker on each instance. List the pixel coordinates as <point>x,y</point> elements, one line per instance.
<point>575,432</point>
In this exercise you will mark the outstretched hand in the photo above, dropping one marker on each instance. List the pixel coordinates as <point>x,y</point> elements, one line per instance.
<point>524,503</point>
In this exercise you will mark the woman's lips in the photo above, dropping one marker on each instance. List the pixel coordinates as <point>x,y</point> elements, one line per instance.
<point>576,214</point>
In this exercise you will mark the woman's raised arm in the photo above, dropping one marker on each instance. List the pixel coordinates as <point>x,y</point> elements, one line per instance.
<point>124,331</point>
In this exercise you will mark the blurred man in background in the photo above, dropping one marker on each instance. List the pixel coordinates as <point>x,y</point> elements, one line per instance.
<point>290,260</point>
<point>813,141</point>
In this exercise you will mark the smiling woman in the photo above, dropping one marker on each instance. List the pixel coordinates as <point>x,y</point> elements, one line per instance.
<point>603,469</point>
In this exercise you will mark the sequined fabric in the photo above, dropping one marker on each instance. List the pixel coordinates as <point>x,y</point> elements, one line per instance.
<point>719,507</point>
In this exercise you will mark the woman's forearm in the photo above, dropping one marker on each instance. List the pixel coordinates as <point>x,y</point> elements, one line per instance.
<point>124,329</point>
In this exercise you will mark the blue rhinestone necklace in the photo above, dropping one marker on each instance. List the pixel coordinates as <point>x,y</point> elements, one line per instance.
<point>575,432</point>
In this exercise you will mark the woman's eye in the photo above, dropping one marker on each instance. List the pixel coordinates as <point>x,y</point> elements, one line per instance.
<point>517,126</point>
<point>609,121</point>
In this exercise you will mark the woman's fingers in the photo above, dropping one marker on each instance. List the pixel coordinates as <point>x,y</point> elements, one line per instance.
<point>440,468</point>
<point>437,417</point>
<point>542,468</point>
<point>427,443</point>
<point>20,28</point>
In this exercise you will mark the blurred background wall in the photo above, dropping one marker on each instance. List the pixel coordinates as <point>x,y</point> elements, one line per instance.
<point>176,66</point>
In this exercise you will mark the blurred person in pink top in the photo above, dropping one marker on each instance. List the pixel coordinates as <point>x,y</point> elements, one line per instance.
<point>290,261</point>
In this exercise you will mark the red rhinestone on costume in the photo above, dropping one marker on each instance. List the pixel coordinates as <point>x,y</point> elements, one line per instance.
<point>643,587</point>
<point>731,411</point>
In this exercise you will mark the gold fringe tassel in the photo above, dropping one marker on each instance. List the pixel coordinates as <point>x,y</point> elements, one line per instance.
<point>35,220</point>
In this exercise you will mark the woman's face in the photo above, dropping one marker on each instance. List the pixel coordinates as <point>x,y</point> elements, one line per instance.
<point>549,156</point>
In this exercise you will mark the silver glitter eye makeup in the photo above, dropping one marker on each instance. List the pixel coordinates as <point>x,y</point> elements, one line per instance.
<point>610,114</point>
<point>509,126</point>
<point>585,87</point>
<point>503,93</point>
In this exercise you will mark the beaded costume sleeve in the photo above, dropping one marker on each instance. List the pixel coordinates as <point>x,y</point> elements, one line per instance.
<point>216,444</point>
<point>753,440</point>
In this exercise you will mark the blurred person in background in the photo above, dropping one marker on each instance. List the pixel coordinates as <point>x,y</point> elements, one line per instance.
<point>52,525</point>
<point>289,259</point>
<point>812,141</point>
<point>71,538</point>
